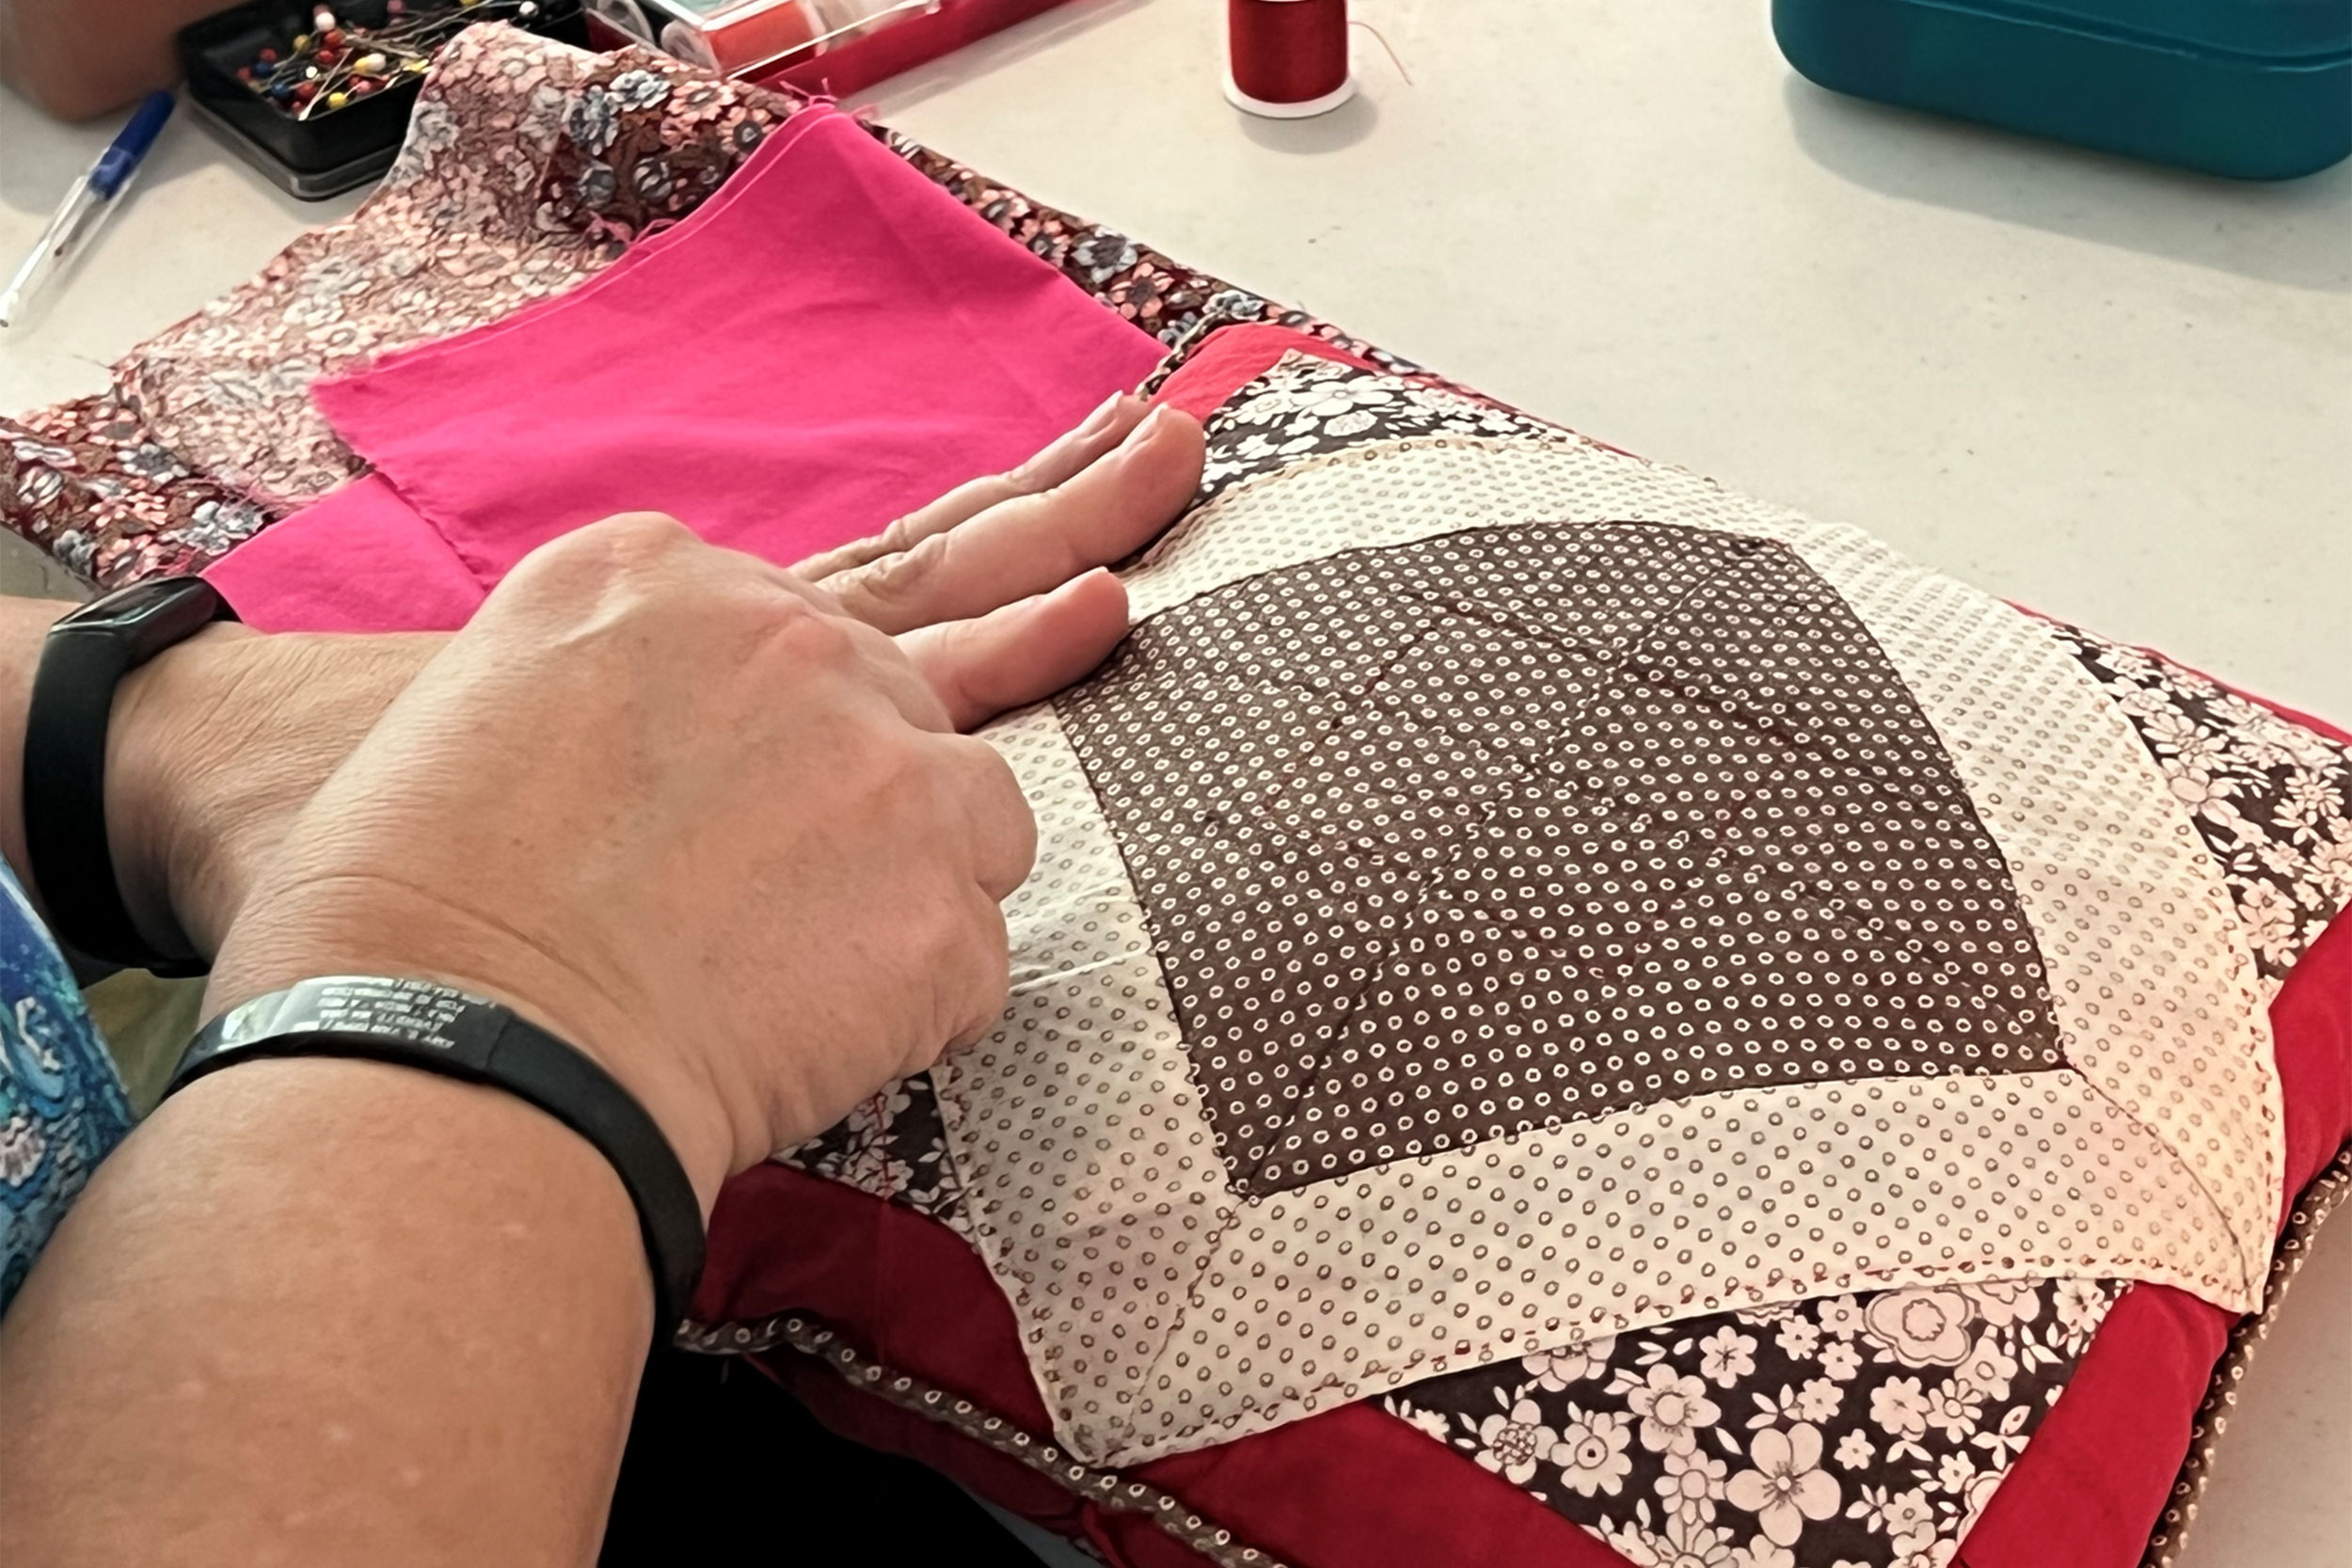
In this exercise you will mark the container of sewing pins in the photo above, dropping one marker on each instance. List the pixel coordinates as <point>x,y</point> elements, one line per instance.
<point>317,95</point>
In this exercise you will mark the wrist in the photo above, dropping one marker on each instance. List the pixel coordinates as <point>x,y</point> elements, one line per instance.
<point>374,926</point>
<point>158,752</point>
<point>213,748</point>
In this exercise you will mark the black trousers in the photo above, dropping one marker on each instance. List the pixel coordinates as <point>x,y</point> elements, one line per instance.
<point>725,1467</point>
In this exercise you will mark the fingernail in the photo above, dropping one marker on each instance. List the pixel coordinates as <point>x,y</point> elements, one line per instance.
<point>1148,426</point>
<point>1100,418</point>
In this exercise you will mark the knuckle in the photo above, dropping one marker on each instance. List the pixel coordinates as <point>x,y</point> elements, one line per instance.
<point>894,579</point>
<point>810,636</point>
<point>899,781</point>
<point>589,573</point>
<point>631,541</point>
<point>615,549</point>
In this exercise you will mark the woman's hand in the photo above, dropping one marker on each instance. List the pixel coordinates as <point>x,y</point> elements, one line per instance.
<point>685,809</point>
<point>994,593</point>
<point>996,590</point>
<point>669,801</point>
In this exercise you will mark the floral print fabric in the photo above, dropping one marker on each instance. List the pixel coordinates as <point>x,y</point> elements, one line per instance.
<point>893,1145</point>
<point>2272,799</point>
<point>1848,1431</point>
<point>1305,406</point>
<point>62,1107</point>
<point>529,167</point>
<point>88,483</point>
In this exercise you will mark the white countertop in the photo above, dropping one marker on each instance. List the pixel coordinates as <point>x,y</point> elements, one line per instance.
<point>2112,392</point>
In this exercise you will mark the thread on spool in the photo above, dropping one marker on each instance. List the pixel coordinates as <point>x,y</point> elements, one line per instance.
<point>1289,58</point>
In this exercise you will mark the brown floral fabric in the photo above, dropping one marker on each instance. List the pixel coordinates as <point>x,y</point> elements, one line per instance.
<point>87,481</point>
<point>2271,799</point>
<point>1869,1431</point>
<point>529,167</point>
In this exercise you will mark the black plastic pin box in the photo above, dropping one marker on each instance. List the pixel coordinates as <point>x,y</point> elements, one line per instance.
<point>329,154</point>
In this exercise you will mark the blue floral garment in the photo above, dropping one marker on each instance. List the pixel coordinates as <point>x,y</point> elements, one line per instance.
<point>62,1107</point>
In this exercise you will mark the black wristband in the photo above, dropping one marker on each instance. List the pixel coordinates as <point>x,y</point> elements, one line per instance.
<point>84,658</point>
<point>417,1023</point>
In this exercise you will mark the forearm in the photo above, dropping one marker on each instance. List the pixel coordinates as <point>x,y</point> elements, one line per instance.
<point>211,749</point>
<point>77,58</point>
<point>328,1311</point>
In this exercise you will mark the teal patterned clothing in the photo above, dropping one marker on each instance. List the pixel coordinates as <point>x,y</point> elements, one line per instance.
<point>61,1106</point>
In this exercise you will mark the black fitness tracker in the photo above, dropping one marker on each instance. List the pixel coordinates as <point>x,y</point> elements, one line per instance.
<point>87,655</point>
<point>417,1023</point>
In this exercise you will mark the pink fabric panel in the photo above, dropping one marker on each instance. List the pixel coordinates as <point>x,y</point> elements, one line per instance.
<point>360,560</point>
<point>830,341</point>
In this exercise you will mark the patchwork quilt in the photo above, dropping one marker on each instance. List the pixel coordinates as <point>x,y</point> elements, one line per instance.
<point>1665,1000</point>
<point>1564,1017</point>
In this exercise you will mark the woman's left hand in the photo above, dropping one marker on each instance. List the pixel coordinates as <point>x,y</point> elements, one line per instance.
<point>996,591</point>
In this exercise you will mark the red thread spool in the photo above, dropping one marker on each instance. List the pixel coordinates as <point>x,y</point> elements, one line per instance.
<point>1289,58</point>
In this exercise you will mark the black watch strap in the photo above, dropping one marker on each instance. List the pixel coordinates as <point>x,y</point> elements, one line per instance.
<point>84,658</point>
<point>440,1029</point>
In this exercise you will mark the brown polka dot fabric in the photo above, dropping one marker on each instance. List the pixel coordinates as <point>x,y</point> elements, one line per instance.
<point>1464,837</point>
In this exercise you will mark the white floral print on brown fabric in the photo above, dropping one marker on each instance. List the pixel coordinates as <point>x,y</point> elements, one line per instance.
<point>1306,407</point>
<point>1859,1431</point>
<point>2272,799</point>
<point>890,1147</point>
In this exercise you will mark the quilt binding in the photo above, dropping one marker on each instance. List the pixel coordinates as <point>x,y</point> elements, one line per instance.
<point>1107,1489</point>
<point>2316,1201</point>
<point>809,1336</point>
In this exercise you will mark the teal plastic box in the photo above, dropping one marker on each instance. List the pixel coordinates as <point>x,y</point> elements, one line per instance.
<point>2255,90</point>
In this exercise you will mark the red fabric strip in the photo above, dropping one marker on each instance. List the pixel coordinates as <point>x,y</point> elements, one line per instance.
<point>1355,1488</point>
<point>1234,358</point>
<point>909,1292</point>
<point>2089,1488</point>
<point>1359,1488</point>
<point>2310,1030</point>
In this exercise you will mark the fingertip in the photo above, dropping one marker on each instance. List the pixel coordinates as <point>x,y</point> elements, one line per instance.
<point>1113,421</point>
<point>1164,453</point>
<point>1096,585</point>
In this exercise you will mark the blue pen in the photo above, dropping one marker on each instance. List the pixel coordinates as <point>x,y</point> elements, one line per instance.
<point>86,204</point>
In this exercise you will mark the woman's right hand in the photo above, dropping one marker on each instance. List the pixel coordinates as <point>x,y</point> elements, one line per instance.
<point>674,804</point>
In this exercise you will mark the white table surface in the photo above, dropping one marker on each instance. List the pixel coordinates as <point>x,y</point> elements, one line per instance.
<point>2118,394</point>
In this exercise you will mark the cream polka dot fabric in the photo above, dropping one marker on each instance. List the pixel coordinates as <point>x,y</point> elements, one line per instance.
<point>1363,1014</point>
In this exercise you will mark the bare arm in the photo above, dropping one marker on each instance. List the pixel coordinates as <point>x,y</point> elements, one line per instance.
<point>79,59</point>
<point>337,1312</point>
<point>320,1311</point>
